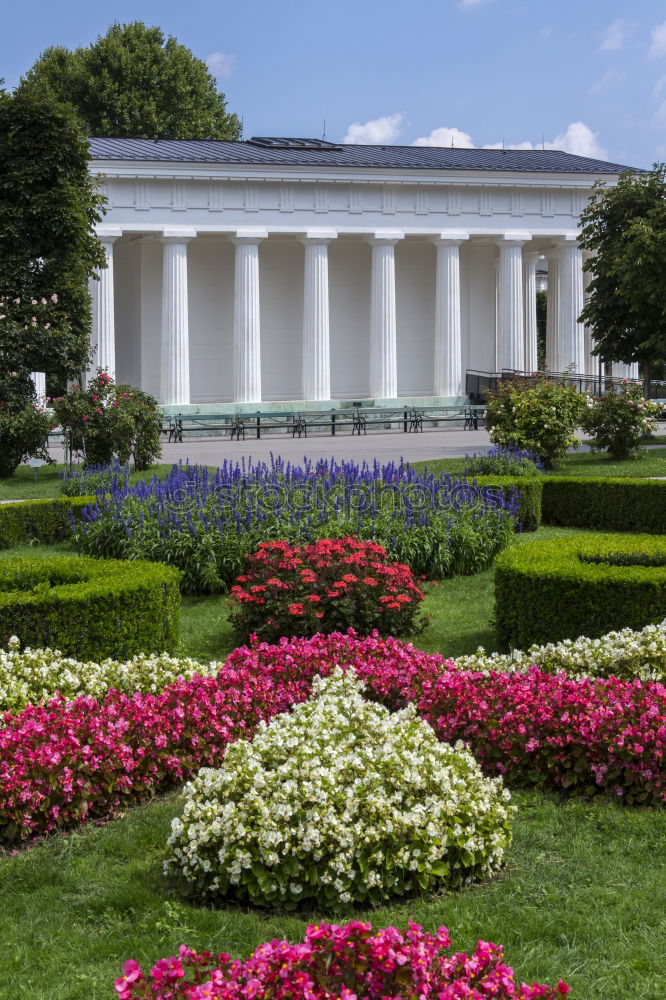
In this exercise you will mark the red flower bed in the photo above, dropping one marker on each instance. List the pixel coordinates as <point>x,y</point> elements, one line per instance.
<point>337,963</point>
<point>331,585</point>
<point>69,761</point>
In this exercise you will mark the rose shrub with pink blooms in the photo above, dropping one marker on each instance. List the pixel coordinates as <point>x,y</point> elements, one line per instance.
<point>67,761</point>
<point>335,962</point>
<point>620,418</point>
<point>332,584</point>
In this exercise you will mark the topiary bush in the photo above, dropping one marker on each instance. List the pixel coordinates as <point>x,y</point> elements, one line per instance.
<point>586,585</point>
<point>88,607</point>
<point>339,801</point>
<point>605,504</point>
<point>46,521</point>
<point>333,584</point>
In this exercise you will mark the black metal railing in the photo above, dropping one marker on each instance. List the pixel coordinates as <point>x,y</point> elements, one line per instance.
<point>478,384</point>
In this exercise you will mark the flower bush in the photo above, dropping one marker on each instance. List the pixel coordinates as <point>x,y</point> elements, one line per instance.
<point>205,523</point>
<point>619,419</point>
<point>24,434</point>
<point>337,963</point>
<point>628,654</point>
<point>501,461</point>
<point>536,414</point>
<point>324,587</point>
<point>107,421</point>
<point>34,676</point>
<point>339,801</point>
<point>65,761</point>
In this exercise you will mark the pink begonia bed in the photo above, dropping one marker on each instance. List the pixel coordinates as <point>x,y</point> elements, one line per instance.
<point>335,962</point>
<point>71,761</point>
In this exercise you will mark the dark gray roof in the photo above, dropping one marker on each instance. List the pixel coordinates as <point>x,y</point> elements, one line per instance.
<point>397,157</point>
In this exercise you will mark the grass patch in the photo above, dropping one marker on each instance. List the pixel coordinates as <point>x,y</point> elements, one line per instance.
<point>25,485</point>
<point>648,463</point>
<point>577,900</point>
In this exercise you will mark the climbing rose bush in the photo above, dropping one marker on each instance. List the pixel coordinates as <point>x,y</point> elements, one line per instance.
<point>67,761</point>
<point>32,676</point>
<point>337,963</point>
<point>339,801</point>
<point>328,586</point>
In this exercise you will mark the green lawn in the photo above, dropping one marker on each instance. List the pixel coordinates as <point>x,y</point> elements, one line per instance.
<point>650,462</point>
<point>582,896</point>
<point>25,485</point>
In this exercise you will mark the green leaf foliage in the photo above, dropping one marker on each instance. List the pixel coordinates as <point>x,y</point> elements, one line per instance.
<point>48,250</point>
<point>90,609</point>
<point>132,82</point>
<point>624,229</point>
<point>585,585</point>
<point>605,504</point>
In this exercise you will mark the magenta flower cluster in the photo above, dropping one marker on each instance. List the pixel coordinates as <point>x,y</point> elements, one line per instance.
<point>65,762</point>
<point>334,962</point>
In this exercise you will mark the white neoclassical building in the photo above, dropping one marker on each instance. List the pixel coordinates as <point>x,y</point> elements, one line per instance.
<point>249,274</point>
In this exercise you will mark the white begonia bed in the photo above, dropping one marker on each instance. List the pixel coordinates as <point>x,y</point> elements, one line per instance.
<point>337,801</point>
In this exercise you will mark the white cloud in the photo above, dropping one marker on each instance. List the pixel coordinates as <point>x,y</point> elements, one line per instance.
<point>376,132</point>
<point>603,82</point>
<point>467,4</point>
<point>660,114</point>
<point>221,64</point>
<point>577,138</point>
<point>446,137</point>
<point>545,32</point>
<point>580,140</point>
<point>658,42</point>
<point>614,36</point>
<point>512,145</point>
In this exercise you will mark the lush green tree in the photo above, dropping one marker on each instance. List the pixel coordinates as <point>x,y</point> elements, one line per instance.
<point>624,228</point>
<point>132,82</point>
<point>48,248</point>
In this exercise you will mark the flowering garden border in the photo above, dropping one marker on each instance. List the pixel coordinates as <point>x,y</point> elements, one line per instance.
<point>66,762</point>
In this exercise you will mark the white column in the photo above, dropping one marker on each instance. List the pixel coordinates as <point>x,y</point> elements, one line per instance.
<point>591,360</point>
<point>552,310</point>
<point>175,380</point>
<point>383,343</point>
<point>449,376</point>
<point>622,370</point>
<point>39,382</point>
<point>316,318</point>
<point>511,342</point>
<point>571,332</point>
<point>530,310</point>
<point>103,340</point>
<point>247,326</point>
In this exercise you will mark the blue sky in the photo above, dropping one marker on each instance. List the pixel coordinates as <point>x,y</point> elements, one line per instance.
<point>588,76</point>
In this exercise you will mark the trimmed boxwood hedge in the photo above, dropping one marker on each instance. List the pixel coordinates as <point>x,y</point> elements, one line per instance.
<point>530,488</point>
<point>585,585</point>
<point>605,504</point>
<point>46,521</point>
<point>90,608</point>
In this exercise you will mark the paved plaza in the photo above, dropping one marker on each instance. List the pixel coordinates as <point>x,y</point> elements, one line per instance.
<point>388,446</point>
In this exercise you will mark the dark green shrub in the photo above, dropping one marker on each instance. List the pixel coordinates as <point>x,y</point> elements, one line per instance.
<point>586,585</point>
<point>529,489</point>
<point>46,521</point>
<point>89,608</point>
<point>605,504</point>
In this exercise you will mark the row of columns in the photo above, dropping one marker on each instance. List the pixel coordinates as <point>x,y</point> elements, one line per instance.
<point>516,314</point>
